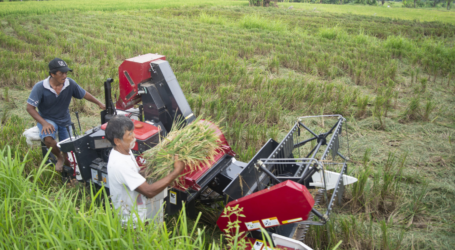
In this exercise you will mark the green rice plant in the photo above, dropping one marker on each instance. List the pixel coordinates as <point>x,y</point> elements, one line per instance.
<point>357,232</point>
<point>416,204</point>
<point>417,72</point>
<point>322,237</point>
<point>195,144</point>
<point>211,19</point>
<point>386,242</point>
<point>362,103</point>
<point>412,76</point>
<point>12,127</point>
<point>366,157</point>
<point>449,78</point>
<point>413,110</point>
<point>6,94</point>
<point>399,45</point>
<point>76,218</point>
<point>361,38</point>
<point>4,117</point>
<point>198,108</point>
<point>329,33</point>
<point>257,22</point>
<point>428,109</point>
<point>423,85</point>
<point>274,65</point>
<point>360,188</point>
<point>378,111</point>
<point>389,189</point>
<point>358,74</point>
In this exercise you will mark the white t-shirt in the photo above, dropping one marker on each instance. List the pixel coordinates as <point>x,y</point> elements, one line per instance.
<point>124,178</point>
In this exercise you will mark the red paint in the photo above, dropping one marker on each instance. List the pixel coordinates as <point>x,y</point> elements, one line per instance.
<point>285,201</point>
<point>146,131</point>
<point>138,69</point>
<point>142,132</point>
<point>140,161</point>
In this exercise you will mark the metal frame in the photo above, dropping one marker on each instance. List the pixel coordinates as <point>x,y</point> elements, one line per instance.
<point>308,165</point>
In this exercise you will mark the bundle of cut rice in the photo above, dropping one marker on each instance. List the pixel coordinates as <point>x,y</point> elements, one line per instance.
<point>195,144</point>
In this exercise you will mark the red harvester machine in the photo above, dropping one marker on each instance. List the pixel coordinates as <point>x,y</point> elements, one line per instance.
<point>273,188</point>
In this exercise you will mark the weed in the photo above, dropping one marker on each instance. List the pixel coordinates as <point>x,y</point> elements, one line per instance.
<point>235,240</point>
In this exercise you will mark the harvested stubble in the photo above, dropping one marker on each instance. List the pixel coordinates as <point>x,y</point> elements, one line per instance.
<point>195,144</point>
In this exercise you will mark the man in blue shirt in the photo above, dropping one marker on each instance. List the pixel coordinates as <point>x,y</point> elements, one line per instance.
<point>52,96</point>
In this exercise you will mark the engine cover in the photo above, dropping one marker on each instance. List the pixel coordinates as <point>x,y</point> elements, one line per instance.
<point>131,73</point>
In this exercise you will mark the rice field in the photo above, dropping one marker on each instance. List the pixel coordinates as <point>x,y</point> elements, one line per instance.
<point>257,69</point>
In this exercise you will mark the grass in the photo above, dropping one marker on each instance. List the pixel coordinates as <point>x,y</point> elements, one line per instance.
<point>211,19</point>
<point>395,12</point>
<point>258,22</point>
<point>27,8</point>
<point>390,76</point>
<point>38,214</point>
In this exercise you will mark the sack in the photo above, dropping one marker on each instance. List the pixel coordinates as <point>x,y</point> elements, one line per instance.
<point>32,134</point>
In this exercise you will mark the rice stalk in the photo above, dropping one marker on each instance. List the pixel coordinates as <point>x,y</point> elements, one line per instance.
<point>195,144</point>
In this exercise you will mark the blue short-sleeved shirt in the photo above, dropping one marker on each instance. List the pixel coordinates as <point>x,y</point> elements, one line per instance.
<point>52,106</point>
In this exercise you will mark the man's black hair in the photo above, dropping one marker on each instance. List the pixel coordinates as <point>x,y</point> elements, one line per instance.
<point>117,126</point>
<point>52,72</point>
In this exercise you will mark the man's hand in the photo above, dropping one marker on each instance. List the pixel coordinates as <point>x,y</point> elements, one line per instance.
<point>92,99</point>
<point>151,190</point>
<point>178,165</point>
<point>47,128</point>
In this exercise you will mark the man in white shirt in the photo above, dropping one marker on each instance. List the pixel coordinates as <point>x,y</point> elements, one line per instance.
<point>128,188</point>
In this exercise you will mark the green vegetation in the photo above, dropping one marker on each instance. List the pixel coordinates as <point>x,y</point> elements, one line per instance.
<point>258,69</point>
<point>48,7</point>
<point>36,213</point>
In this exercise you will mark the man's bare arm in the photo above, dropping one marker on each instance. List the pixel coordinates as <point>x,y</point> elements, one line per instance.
<point>91,98</point>
<point>47,127</point>
<point>151,190</point>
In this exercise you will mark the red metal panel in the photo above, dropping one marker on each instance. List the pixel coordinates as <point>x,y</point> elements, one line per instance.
<point>143,133</point>
<point>137,68</point>
<point>146,131</point>
<point>284,203</point>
